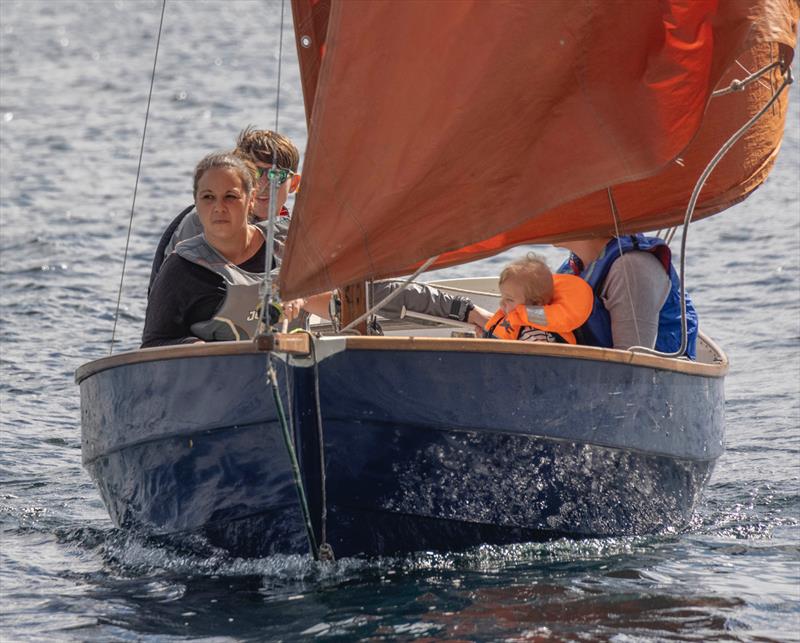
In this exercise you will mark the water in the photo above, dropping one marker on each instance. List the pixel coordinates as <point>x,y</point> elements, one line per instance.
<point>75,78</point>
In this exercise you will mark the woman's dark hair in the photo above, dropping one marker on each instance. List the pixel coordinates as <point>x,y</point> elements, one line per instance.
<point>245,169</point>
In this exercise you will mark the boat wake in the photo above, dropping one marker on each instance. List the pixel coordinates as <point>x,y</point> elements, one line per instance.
<point>137,554</point>
<point>158,584</point>
<point>132,554</point>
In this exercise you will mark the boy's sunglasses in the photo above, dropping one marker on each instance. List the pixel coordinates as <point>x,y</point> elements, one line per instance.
<point>274,174</point>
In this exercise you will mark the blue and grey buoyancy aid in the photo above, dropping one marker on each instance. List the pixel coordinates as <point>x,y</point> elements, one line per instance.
<point>238,315</point>
<point>597,329</point>
<point>187,225</point>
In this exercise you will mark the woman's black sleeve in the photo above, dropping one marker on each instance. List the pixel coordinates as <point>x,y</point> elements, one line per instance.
<point>181,295</point>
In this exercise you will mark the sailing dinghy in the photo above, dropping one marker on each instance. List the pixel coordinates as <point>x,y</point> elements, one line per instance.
<point>440,133</point>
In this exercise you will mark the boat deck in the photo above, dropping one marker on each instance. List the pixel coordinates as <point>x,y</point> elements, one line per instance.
<point>429,334</point>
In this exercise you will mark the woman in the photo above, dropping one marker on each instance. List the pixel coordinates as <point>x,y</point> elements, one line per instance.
<point>207,290</point>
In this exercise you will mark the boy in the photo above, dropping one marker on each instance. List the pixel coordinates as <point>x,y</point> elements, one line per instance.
<point>536,306</point>
<point>638,300</point>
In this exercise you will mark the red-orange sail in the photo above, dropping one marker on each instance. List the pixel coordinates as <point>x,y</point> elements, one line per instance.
<point>462,128</point>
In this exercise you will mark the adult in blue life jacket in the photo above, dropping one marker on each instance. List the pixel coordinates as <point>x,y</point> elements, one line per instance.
<point>636,294</point>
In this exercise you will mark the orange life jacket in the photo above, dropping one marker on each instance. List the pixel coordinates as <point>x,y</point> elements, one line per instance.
<point>570,308</point>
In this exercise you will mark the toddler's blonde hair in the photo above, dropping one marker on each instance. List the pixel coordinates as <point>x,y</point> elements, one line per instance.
<point>533,272</point>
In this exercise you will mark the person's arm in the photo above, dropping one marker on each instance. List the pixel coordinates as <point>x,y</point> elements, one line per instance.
<point>479,317</point>
<point>634,292</point>
<point>318,305</point>
<point>421,299</point>
<point>182,294</point>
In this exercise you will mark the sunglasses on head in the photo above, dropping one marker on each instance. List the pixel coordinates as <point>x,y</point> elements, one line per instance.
<point>277,174</point>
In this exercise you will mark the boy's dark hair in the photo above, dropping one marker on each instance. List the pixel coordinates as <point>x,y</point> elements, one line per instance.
<point>266,146</point>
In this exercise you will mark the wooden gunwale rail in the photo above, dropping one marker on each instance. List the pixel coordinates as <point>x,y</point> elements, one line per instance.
<point>298,344</point>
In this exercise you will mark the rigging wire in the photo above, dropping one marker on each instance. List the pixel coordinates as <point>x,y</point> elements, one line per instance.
<point>788,79</point>
<point>265,327</point>
<point>325,551</point>
<point>138,173</point>
<point>267,287</point>
<point>266,290</point>
<point>292,453</point>
<point>738,85</point>
<point>289,390</point>
<point>280,60</point>
<point>615,215</point>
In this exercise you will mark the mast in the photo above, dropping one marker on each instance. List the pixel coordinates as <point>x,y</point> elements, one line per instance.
<point>354,305</point>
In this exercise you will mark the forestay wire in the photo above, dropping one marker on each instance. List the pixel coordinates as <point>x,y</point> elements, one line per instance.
<point>266,290</point>
<point>138,173</point>
<point>323,550</point>
<point>280,60</point>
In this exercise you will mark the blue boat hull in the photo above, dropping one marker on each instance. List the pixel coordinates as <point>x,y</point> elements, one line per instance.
<point>191,446</point>
<point>423,449</point>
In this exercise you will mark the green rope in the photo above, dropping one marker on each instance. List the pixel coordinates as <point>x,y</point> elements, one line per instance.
<point>287,439</point>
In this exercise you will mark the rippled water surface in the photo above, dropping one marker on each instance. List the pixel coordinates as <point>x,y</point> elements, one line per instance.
<point>73,92</point>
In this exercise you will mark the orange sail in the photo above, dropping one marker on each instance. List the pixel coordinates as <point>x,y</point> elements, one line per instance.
<point>462,128</point>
